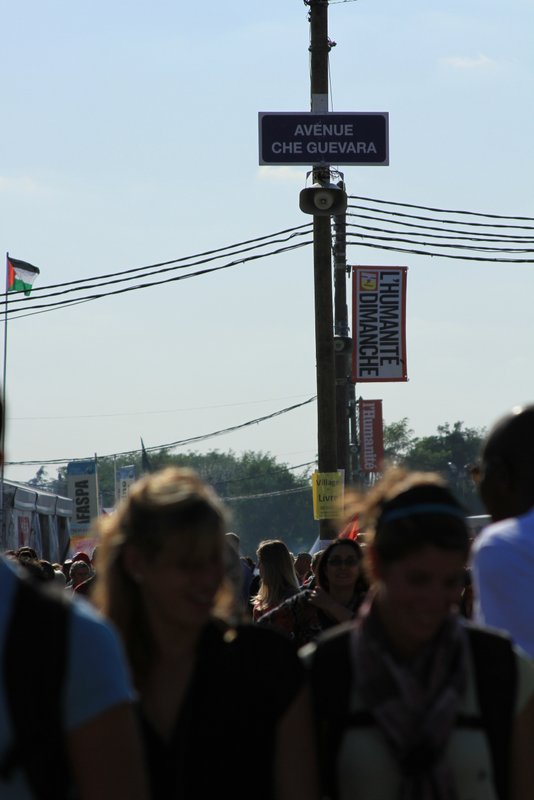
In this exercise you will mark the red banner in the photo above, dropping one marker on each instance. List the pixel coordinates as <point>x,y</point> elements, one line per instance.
<point>379,324</point>
<point>371,435</point>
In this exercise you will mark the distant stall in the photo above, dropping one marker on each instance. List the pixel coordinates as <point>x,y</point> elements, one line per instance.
<point>36,518</point>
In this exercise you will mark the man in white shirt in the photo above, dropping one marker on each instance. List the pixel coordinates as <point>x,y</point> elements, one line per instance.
<point>502,561</point>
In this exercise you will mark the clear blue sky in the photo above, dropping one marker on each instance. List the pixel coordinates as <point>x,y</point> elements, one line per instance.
<point>129,137</point>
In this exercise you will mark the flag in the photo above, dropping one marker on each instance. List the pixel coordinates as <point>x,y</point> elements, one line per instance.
<point>20,276</point>
<point>146,466</point>
<point>351,529</point>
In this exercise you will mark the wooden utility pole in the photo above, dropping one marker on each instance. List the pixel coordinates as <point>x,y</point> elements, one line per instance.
<point>322,262</point>
<point>342,345</point>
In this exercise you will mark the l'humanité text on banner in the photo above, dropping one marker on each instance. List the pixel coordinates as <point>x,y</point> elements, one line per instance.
<point>379,324</point>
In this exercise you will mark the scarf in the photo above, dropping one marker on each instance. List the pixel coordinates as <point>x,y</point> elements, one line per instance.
<point>415,704</point>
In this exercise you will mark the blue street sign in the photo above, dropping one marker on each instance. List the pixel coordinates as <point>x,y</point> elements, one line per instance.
<point>315,139</point>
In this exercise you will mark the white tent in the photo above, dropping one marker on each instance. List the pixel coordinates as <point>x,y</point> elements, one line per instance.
<point>35,518</point>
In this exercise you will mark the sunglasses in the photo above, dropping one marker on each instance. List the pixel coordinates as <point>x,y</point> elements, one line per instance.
<point>351,561</point>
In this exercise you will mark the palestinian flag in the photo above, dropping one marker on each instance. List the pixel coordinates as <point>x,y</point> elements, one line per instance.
<point>20,276</point>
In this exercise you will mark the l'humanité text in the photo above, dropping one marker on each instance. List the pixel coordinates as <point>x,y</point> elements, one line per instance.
<point>379,326</point>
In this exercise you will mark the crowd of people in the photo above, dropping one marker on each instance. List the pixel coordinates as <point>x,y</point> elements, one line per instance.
<point>391,666</point>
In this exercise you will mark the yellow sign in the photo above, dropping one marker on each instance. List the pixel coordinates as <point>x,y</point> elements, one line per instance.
<point>327,494</point>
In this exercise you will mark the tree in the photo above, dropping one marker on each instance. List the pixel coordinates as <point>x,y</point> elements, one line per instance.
<point>451,452</point>
<point>40,480</point>
<point>265,498</point>
<point>398,440</point>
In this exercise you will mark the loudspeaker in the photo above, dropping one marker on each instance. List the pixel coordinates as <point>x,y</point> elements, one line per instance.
<point>323,200</point>
<point>342,344</point>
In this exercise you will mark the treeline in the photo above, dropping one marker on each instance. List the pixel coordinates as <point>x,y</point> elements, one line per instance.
<point>452,451</point>
<point>268,499</point>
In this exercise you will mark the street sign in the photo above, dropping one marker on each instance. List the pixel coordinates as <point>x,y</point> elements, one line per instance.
<point>315,139</point>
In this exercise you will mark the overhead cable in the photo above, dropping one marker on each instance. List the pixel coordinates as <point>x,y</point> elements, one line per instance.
<point>41,309</point>
<point>298,489</point>
<point>479,248</point>
<point>249,478</point>
<point>444,255</point>
<point>393,229</point>
<point>422,229</point>
<point>192,258</point>
<point>169,445</point>
<point>439,210</point>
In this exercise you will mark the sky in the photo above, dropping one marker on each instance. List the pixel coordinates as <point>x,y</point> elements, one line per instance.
<point>130,138</point>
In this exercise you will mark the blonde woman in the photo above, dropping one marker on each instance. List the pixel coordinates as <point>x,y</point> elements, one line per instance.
<point>278,579</point>
<point>335,597</point>
<point>220,703</point>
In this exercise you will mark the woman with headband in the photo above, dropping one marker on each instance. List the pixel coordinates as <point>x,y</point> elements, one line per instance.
<point>412,701</point>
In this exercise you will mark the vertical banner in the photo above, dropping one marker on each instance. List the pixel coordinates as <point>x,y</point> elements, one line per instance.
<point>82,488</point>
<point>371,435</point>
<point>24,527</point>
<point>125,478</point>
<point>327,488</point>
<point>379,324</point>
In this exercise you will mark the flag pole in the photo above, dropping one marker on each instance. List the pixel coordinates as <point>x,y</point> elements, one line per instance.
<point>115,482</point>
<point>23,276</point>
<point>3,431</point>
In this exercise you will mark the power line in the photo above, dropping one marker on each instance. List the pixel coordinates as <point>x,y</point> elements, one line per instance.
<point>449,222</point>
<point>439,210</point>
<point>170,445</point>
<point>478,248</point>
<point>390,242</point>
<point>218,484</point>
<point>266,494</point>
<point>461,237</point>
<point>192,258</point>
<point>442,235</point>
<point>230,498</point>
<point>160,411</point>
<point>445,255</point>
<point>41,309</point>
<point>486,235</point>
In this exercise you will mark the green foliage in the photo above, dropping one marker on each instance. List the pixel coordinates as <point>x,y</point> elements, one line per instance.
<point>450,452</point>
<point>40,479</point>
<point>259,493</point>
<point>398,438</point>
<point>265,499</point>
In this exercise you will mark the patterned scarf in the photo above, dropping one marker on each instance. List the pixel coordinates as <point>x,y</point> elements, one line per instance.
<point>415,704</point>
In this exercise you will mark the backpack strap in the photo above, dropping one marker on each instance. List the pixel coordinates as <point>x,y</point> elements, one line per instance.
<point>496,681</point>
<point>330,707</point>
<point>34,661</point>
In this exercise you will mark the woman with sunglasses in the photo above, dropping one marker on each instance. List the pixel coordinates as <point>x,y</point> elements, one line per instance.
<point>337,593</point>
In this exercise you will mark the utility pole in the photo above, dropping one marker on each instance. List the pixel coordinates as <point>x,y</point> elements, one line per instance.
<point>348,451</point>
<point>354,446</point>
<point>342,345</point>
<point>322,263</point>
<point>316,138</point>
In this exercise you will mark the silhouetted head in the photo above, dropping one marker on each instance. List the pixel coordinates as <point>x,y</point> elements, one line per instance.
<point>505,475</point>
